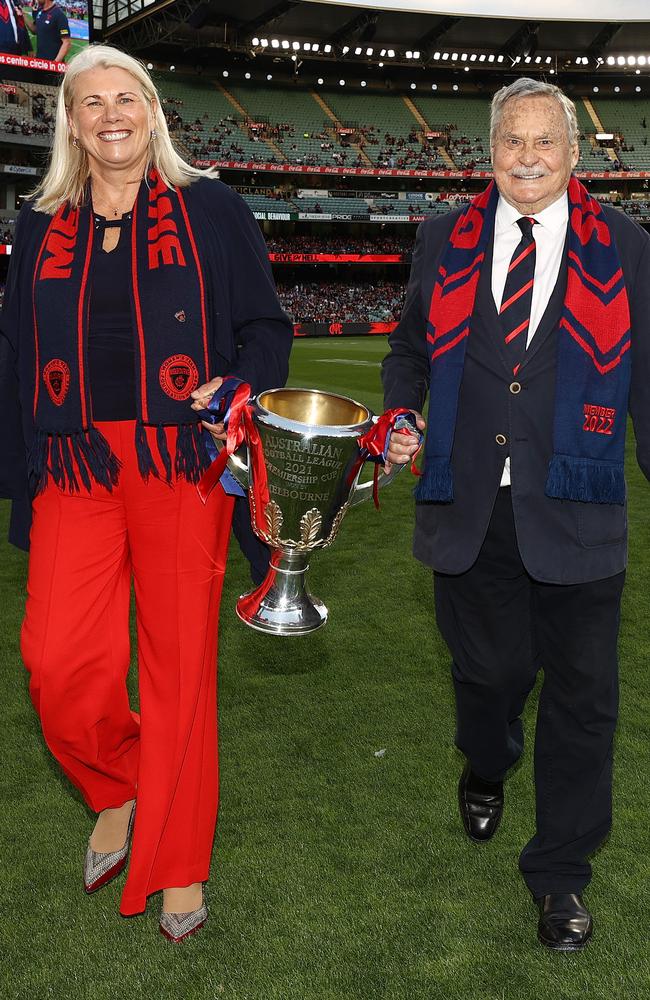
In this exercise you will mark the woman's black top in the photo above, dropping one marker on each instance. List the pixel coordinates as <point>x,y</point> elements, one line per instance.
<point>111,353</point>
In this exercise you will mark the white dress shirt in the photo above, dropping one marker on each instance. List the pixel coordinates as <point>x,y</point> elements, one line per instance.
<point>549,234</point>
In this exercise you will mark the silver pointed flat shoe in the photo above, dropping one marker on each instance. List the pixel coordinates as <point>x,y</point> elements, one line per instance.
<point>101,867</point>
<point>178,926</point>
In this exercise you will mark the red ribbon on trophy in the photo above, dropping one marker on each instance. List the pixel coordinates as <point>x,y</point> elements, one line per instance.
<point>374,444</point>
<point>229,405</point>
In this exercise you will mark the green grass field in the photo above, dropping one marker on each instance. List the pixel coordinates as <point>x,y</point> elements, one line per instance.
<point>337,874</point>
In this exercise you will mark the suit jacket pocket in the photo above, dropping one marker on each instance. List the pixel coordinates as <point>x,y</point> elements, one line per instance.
<point>601,523</point>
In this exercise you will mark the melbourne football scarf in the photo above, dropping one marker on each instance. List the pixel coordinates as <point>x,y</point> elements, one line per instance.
<point>170,339</point>
<point>593,359</point>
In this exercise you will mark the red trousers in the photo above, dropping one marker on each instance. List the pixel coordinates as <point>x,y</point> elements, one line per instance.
<point>85,550</point>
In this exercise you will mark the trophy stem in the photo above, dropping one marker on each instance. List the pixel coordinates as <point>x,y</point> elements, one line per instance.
<point>282,604</point>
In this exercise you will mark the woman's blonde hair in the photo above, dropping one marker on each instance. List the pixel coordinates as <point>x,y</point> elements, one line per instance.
<point>68,172</point>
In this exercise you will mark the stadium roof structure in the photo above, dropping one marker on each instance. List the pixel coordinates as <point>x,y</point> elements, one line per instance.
<point>406,37</point>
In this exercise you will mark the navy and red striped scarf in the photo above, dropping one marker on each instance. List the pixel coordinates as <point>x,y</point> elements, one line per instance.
<point>593,358</point>
<point>170,340</point>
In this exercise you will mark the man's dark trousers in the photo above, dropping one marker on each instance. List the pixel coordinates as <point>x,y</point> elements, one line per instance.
<point>502,627</point>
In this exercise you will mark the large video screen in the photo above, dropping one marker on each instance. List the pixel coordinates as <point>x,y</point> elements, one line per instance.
<point>42,34</point>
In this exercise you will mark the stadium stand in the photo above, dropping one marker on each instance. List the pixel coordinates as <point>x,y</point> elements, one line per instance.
<point>28,112</point>
<point>317,302</point>
<point>630,119</point>
<point>285,126</point>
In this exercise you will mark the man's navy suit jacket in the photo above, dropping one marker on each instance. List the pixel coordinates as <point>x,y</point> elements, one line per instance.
<point>560,541</point>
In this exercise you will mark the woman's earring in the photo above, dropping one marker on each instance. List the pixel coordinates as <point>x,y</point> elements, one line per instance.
<point>154,134</point>
<point>75,143</point>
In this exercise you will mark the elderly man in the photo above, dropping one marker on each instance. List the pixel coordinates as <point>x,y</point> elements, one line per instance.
<point>520,314</point>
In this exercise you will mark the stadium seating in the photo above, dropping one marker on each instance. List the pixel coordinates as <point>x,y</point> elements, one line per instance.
<point>627,117</point>
<point>309,125</point>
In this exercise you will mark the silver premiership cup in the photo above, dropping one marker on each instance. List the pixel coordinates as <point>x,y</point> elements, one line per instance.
<point>313,464</point>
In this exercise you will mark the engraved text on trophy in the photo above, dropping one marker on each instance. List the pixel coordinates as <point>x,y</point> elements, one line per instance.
<point>302,469</point>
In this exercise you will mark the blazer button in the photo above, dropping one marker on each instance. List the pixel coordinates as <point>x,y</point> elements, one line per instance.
<point>500,439</point>
<point>515,387</point>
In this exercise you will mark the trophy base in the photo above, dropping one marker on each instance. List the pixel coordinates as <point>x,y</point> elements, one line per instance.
<point>282,604</point>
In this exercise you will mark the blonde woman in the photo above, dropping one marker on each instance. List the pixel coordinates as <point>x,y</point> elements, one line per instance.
<point>136,284</point>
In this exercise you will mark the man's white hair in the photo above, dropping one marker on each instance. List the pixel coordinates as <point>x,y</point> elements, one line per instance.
<point>526,87</point>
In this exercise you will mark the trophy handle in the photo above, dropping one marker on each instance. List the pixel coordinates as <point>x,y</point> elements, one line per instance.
<point>239,468</point>
<point>362,491</point>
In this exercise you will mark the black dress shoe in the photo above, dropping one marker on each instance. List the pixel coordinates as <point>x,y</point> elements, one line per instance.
<point>565,923</point>
<point>481,804</point>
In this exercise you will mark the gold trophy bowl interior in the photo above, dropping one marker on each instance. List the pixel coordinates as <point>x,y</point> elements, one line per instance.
<point>314,408</point>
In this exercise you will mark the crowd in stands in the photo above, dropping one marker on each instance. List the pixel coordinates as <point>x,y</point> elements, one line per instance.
<point>74,8</point>
<point>6,232</point>
<point>27,126</point>
<point>32,115</point>
<point>342,302</point>
<point>407,153</point>
<point>380,244</point>
<point>470,154</point>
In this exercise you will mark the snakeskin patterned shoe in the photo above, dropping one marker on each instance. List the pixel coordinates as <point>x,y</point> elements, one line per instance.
<point>102,867</point>
<point>178,926</point>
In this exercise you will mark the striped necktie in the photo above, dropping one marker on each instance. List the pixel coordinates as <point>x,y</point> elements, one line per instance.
<point>518,295</point>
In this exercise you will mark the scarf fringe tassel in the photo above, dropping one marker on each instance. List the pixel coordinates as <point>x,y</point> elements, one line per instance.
<point>69,457</point>
<point>435,485</point>
<point>585,480</point>
<point>64,456</point>
<point>191,458</point>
